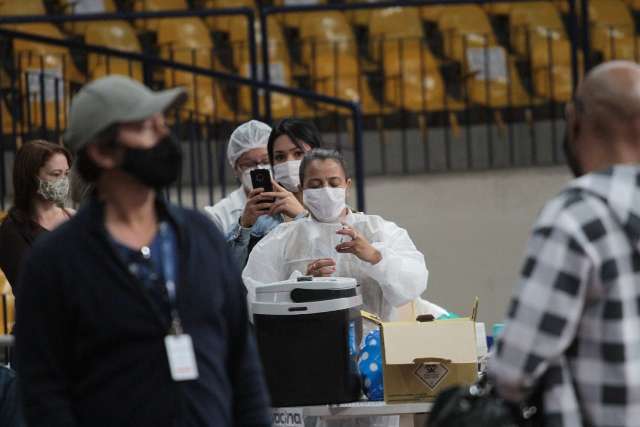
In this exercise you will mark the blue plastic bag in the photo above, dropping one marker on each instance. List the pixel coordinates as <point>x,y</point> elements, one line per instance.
<point>370,366</point>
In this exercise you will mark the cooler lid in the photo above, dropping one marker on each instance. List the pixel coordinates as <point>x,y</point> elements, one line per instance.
<point>306,289</point>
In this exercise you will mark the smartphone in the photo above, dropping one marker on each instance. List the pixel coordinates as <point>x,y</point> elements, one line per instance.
<point>261,178</point>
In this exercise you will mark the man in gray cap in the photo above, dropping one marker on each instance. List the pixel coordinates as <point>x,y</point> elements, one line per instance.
<point>124,320</point>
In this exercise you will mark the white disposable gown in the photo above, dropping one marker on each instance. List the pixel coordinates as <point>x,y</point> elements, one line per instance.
<point>226,213</point>
<point>400,277</point>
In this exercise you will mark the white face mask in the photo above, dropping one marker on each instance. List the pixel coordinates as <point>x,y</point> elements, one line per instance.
<point>245,178</point>
<point>288,174</point>
<point>326,204</point>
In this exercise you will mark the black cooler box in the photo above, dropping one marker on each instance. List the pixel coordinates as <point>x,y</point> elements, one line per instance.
<point>308,333</point>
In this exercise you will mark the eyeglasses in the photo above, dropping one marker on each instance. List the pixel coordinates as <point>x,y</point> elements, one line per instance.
<point>251,165</point>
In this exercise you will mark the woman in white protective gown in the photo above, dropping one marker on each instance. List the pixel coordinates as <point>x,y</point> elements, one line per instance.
<point>333,241</point>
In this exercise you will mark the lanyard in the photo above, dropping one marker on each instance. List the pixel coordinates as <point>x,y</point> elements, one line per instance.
<point>169,270</point>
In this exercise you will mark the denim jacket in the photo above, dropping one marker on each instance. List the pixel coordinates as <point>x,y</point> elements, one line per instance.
<point>241,240</point>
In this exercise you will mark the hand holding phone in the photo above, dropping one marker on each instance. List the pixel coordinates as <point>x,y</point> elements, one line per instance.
<point>257,203</point>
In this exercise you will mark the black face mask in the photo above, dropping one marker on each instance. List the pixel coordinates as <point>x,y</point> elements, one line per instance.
<point>156,167</point>
<point>572,160</point>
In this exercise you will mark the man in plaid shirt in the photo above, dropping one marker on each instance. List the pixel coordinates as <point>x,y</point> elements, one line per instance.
<point>573,328</point>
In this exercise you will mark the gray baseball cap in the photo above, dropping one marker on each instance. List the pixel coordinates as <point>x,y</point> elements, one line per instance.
<point>114,99</point>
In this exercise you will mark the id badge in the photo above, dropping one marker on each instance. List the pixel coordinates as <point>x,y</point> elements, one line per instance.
<point>182,359</point>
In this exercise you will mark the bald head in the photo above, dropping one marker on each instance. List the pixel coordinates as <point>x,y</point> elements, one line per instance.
<point>611,90</point>
<point>604,119</point>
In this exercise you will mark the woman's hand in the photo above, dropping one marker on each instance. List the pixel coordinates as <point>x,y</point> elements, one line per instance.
<point>285,202</point>
<point>359,246</point>
<point>257,204</point>
<point>323,267</point>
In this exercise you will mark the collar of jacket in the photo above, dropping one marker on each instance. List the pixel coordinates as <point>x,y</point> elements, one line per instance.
<point>91,218</point>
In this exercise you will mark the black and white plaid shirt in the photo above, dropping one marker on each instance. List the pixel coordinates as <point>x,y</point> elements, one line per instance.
<point>573,327</point>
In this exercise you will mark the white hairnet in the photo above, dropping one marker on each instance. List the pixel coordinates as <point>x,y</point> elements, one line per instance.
<point>246,137</point>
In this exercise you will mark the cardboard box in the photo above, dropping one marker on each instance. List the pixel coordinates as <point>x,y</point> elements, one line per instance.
<point>423,358</point>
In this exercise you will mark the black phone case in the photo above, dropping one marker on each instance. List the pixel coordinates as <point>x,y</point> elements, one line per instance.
<point>261,178</point>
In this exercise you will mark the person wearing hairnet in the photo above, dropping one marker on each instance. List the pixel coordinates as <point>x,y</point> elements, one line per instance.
<point>286,145</point>
<point>334,241</point>
<point>246,151</point>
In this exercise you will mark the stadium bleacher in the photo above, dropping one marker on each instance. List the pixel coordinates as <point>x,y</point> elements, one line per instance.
<point>412,59</point>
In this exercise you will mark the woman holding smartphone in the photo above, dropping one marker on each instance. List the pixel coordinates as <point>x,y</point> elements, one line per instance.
<point>265,210</point>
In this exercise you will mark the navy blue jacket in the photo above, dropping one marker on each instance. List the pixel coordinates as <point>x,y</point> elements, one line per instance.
<point>90,342</point>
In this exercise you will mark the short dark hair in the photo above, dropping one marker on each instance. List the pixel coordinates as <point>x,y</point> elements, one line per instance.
<point>322,154</point>
<point>299,131</point>
<point>32,156</point>
<point>86,167</point>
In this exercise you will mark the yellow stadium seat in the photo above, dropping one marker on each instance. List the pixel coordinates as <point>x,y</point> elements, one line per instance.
<point>393,23</point>
<point>563,5</point>
<point>622,48</point>
<point>74,7</point>
<point>205,97</point>
<point>184,32</point>
<point>118,35</point>
<point>47,83</point>
<point>412,79</point>
<point>464,27</point>
<point>545,53</point>
<point>431,13</point>
<point>502,87</point>
<point>553,83</point>
<point>531,22</point>
<point>499,8</point>
<point>22,7</point>
<point>330,53</point>
<point>326,34</point>
<point>229,24</point>
<point>612,29</point>
<point>155,6</point>
<point>633,4</point>
<point>280,73</point>
<point>359,17</point>
<point>295,19</point>
<point>342,77</point>
<point>45,70</point>
<point>35,55</point>
<point>281,105</point>
<point>187,40</point>
<point>551,67</point>
<point>240,44</point>
<point>610,12</point>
